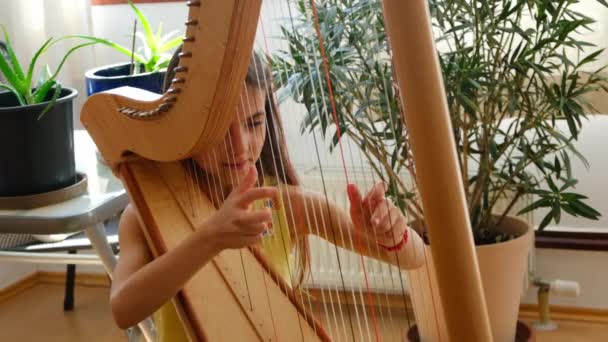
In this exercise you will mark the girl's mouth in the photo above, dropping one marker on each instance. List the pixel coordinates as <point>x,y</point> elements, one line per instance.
<point>237,166</point>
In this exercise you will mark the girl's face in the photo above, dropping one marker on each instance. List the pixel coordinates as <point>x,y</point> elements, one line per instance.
<point>229,162</point>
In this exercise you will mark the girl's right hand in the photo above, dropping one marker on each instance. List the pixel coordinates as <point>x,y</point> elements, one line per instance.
<point>234,225</point>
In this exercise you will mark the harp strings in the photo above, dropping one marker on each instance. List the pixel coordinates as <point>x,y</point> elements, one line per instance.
<point>339,133</point>
<point>276,163</point>
<point>355,300</point>
<point>327,304</point>
<point>376,248</point>
<point>319,223</point>
<point>334,290</point>
<point>393,127</point>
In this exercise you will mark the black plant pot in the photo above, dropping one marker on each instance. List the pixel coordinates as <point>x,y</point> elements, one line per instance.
<point>36,156</point>
<point>117,75</point>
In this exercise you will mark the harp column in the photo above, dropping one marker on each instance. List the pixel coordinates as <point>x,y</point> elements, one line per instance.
<point>439,179</point>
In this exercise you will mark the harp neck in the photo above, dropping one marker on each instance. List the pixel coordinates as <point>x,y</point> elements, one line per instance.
<point>198,108</point>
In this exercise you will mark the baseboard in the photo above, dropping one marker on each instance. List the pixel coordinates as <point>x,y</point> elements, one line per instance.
<point>19,286</point>
<point>82,279</point>
<point>567,313</point>
<point>58,278</point>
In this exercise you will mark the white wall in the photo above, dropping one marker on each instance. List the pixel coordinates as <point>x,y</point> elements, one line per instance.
<point>115,22</point>
<point>12,272</point>
<point>593,180</point>
<point>588,268</point>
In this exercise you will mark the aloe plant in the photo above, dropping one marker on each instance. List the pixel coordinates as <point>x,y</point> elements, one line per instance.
<point>156,46</point>
<point>21,82</point>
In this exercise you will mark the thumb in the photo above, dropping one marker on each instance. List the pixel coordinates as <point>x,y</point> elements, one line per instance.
<point>249,180</point>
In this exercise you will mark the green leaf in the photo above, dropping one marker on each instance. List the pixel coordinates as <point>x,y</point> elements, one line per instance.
<point>53,100</point>
<point>568,184</point>
<point>9,74</point>
<point>40,93</point>
<point>11,54</point>
<point>556,212</point>
<point>585,210</point>
<point>14,91</point>
<point>159,32</point>
<point>39,52</point>
<point>543,202</point>
<point>65,57</point>
<point>552,185</point>
<point>557,167</point>
<point>113,45</point>
<point>173,43</point>
<point>589,58</point>
<point>147,29</point>
<point>546,220</point>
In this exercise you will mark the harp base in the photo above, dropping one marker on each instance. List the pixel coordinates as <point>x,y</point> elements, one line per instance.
<point>522,334</point>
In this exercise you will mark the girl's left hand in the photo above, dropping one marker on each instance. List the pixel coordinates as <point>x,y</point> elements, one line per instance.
<point>377,215</point>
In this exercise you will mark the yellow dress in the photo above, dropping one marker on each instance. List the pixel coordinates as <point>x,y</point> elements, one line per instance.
<point>277,248</point>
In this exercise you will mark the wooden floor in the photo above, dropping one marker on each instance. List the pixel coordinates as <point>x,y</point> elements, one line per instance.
<point>574,332</point>
<point>36,315</point>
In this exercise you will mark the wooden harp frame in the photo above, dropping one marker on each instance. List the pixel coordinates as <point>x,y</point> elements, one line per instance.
<point>131,132</point>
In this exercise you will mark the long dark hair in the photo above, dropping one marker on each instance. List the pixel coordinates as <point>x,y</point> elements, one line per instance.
<point>274,160</point>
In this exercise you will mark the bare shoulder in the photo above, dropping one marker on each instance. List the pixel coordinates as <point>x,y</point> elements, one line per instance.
<point>134,252</point>
<point>129,229</point>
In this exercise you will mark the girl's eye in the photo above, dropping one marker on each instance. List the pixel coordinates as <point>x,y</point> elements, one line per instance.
<point>252,124</point>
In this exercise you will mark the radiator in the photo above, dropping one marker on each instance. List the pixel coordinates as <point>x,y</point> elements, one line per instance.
<point>327,259</point>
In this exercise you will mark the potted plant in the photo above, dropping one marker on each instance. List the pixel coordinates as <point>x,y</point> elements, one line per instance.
<point>147,70</point>
<point>512,76</point>
<point>36,125</point>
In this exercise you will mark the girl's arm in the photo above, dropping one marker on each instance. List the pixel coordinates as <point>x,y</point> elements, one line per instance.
<point>314,214</point>
<point>141,284</point>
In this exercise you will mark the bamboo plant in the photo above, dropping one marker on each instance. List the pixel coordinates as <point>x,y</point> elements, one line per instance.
<point>513,74</point>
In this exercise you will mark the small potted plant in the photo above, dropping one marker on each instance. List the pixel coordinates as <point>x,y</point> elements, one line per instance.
<point>147,70</point>
<point>36,125</point>
<point>514,121</point>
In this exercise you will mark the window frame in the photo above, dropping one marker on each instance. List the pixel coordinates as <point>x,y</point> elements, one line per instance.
<point>582,241</point>
<point>124,2</point>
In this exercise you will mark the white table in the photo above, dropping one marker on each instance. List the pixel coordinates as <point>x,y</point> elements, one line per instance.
<point>105,197</point>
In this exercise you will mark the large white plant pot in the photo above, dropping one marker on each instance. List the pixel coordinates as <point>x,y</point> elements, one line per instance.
<point>503,267</point>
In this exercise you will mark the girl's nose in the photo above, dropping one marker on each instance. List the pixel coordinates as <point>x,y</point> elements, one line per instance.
<point>237,140</point>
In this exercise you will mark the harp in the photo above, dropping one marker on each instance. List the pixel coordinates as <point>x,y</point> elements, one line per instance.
<point>144,138</point>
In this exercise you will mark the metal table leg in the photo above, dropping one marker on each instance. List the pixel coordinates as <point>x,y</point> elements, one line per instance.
<point>99,241</point>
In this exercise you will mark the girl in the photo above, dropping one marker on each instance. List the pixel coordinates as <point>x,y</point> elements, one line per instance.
<point>253,147</point>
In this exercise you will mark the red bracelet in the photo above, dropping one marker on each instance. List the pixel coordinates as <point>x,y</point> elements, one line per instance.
<point>399,245</point>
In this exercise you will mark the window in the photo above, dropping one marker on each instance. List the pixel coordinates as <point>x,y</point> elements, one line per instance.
<point>117,2</point>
